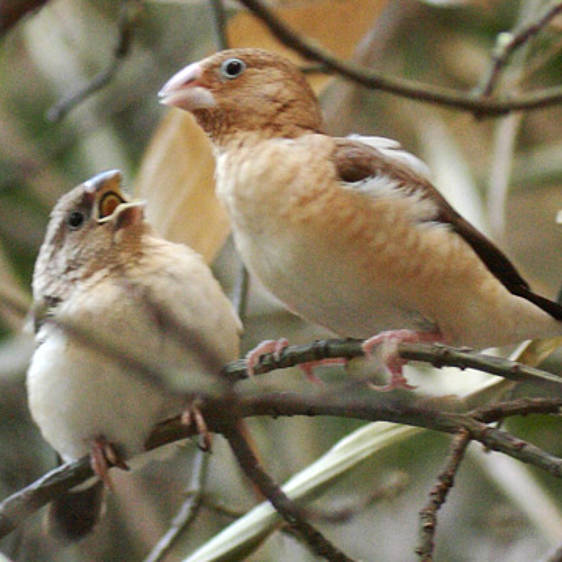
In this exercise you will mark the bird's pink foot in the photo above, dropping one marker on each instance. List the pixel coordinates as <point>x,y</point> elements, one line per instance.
<point>103,456</point>
<point>192,416</point>
<point>254,356</point>
<point>309,366</point>
<point>387,344</point>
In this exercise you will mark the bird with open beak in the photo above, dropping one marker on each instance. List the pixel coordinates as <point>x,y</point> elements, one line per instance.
<point>348,232</point>
<point>103,275</point>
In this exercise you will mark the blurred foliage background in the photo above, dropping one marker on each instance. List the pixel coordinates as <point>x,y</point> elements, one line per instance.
<point>504,174</point>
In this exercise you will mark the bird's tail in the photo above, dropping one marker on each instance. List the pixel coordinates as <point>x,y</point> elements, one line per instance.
<point>74,514</point>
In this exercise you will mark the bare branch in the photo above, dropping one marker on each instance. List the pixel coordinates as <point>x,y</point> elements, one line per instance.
<point>438,355</point>
<point>282,503</point>
<point>507,43</point>
<point>125,24</point>
<point>438,495</point>
<point>394,484</point>
<point>480,105</point>
<point>189,509</point>
<point>19,506</point>
<point>218,413</point>
<point>382,408</point>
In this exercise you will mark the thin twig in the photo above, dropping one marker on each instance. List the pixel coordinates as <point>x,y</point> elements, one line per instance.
<point>441,355</point>
<point>438,495</point>
<point>187,511</point>
<point>394,485</point>
<point>402,87</point>
<point>282,503</point>
<point>517,407</point>
<point>505,136</point>
<point>507,43</point>
<point>125,24</point>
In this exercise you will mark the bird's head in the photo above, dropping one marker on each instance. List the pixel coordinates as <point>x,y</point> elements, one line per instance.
<point>92,227</point>
<point>245,90</point>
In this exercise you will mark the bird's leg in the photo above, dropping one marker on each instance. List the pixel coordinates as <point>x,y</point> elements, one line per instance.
<point>276,346</point>
<point>387,344</point>
<point>192,415</point>
<point>103,456</point>
<point>254,356</point>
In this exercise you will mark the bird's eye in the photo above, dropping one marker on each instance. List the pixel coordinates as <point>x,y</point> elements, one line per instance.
<point>75,220</point>
<point>108,203</point>
<point>232,68</point>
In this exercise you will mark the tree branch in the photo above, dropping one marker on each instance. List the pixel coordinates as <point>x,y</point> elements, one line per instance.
<point>438,355</point>
<point>507,43</point>
<point>125,24</point>
<point>282,503</point>
<point>382,408</point>
<point>480,105</point>
<point>189,509</point>
<point>438,495</point>
<point>14,509</point>
<point>19,506</point>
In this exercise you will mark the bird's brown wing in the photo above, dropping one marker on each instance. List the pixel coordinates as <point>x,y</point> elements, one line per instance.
<point>356,161</point>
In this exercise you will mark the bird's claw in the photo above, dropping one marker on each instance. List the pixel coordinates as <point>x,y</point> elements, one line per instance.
<point>104,456</point>
<point>387,345</point>
<point>192,416</point>
<point>253,357</point>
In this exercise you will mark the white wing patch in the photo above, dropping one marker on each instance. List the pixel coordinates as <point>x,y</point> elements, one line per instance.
<point>392,150</point>
<point>421,210</point>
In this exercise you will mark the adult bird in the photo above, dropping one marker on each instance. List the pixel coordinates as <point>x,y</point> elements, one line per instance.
<point>348,232</point>
<point>127,326</point>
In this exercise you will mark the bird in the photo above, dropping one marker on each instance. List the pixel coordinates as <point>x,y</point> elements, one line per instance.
<point>349,232</point>
<point>104,275</point>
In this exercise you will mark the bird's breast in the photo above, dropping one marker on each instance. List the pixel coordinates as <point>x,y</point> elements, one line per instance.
<point>317,247</point>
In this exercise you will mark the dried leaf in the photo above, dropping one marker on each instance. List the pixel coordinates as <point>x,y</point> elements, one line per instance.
<point>177,180</point>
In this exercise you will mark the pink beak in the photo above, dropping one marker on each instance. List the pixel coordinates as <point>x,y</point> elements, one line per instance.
<point>184,91</point>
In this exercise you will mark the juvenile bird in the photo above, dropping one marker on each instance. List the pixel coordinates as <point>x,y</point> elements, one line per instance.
<point>103,274</point>
<point>348,232</point>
